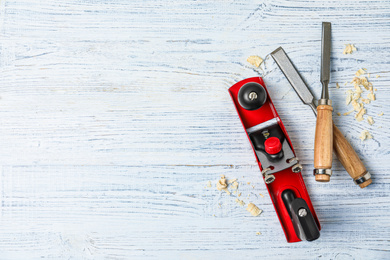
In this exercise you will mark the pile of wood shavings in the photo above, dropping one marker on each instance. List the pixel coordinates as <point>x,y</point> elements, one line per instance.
<point>223,184</point>
<point>362,94</point>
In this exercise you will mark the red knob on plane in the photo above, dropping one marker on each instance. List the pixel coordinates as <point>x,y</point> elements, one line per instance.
<point>273,145</point>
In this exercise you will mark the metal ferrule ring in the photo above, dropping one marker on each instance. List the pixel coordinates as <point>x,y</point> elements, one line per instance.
<point>322,171</point>
<point>324,101</point>
<point>362,179</point>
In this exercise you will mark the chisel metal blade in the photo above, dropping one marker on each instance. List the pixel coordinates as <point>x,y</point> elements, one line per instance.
<point>293,76</point>
<point>325,58</point>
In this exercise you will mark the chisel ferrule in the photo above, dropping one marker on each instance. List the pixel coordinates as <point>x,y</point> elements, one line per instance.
<point>322,171</point>
<point>324,101</point>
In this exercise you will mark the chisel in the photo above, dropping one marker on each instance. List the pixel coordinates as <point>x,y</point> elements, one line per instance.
<point>323,142</point>
<point>341,147</point>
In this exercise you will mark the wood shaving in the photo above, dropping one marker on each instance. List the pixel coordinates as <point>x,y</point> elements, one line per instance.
<point>371,96</point>
<point>377,76</point>
<point>231,181</point>
<point>348,98</point>
<point>239,194</point>
<point>356,105</point>
<point>235,185</point>
<point>365,135</point>
<point>349,49</point>
<point>360,72</point>
<point>355,97</point>
<point>338,113</point>
<point>253,209</point>
<point>380,114</point>
<point>360,114</point>
<point>261,195</point>
<point>347,113</point>
<point>240,202</point>
<point>209,184</point>
<point>370,120</point>
<point>358,90</point>
<point>255,60</point>
<point>258,233</point>
<point>337,85</point>
<point>222,185</point>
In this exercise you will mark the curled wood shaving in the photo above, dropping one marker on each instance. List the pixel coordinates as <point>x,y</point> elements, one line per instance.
<point>365,135</point>
<point>338,113</point>
<point>380,114</point>
<point>255,60</point>
<point>371,96</point>
<point>222,185</point>
<point>349,49</point>
<point>253,209</point>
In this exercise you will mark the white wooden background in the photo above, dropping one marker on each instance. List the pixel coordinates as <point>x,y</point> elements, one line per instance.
<point>115,114</point>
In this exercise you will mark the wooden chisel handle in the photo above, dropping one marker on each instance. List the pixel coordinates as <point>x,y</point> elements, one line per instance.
<point>348,157</point>
<point>323,143</point>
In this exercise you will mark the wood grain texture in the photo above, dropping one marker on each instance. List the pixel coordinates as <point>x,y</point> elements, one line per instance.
<point>323,140</point>
<point>348,157</point>
<point>115,114</point>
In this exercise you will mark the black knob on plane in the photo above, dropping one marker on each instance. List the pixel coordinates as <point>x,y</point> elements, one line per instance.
<point>252,96</point>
